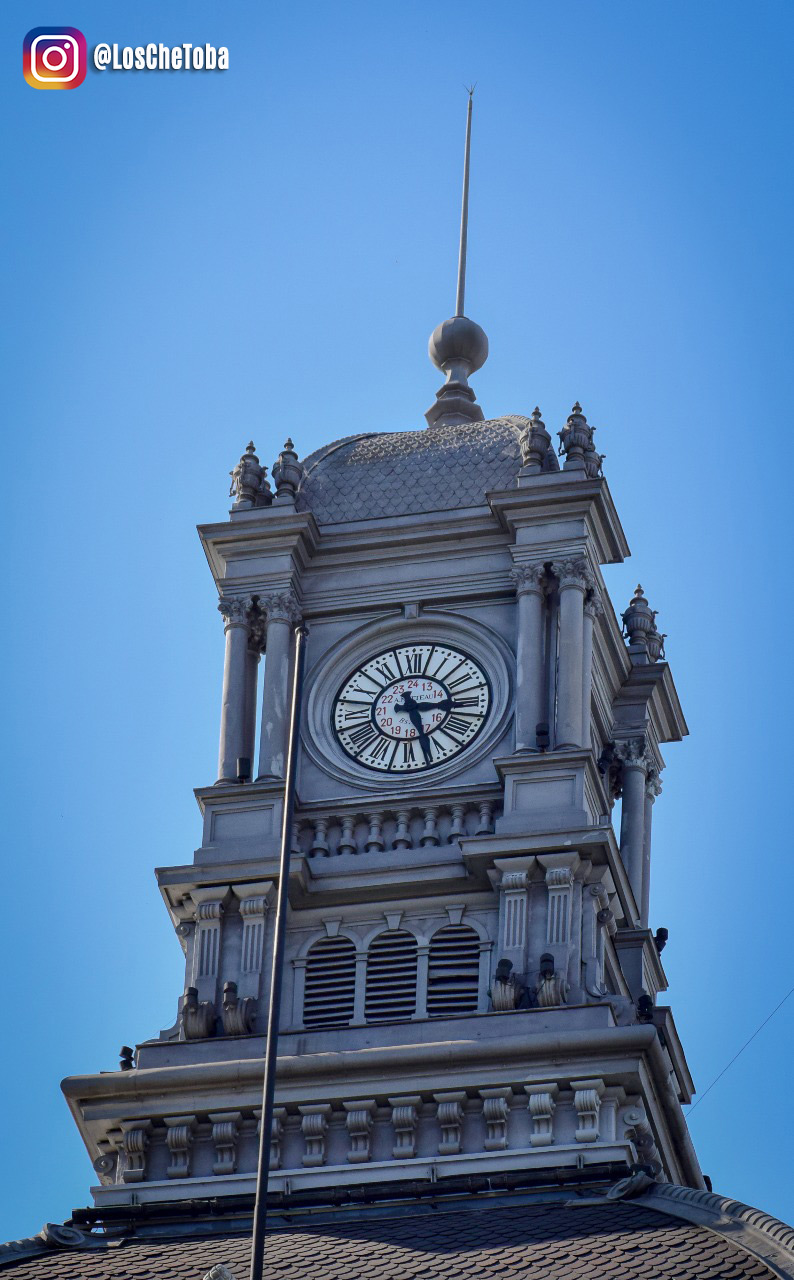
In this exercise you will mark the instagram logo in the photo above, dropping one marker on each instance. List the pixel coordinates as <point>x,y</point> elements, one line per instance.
<point>54,57</point>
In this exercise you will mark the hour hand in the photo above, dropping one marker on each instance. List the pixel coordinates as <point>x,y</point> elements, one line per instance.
<point>413,710</point>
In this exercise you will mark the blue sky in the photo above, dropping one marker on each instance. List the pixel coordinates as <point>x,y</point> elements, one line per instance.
<point>192,260</point>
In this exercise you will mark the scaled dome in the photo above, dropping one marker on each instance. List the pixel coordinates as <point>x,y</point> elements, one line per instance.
<point>383,474</point>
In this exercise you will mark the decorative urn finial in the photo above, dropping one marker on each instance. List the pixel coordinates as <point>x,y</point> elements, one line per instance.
<point>639,625</point>
<point>459,348</point>
<point>249,485</point>
<point>287,473</point>
<point>534,443</point>
<point>576,443</point>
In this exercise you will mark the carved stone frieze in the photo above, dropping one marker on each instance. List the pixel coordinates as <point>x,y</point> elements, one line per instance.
<point>225,1134</point>
<point>276,1133</point>
<point>359,1126</point>
<point>541,1104</point>
<point>495,1110</point>
<point>404,1118</point>
<point>449,1114</point>
<point>179,1140</point>
<point>314,1126</point>
<point>587,1095</point>
<point>135,1137</point>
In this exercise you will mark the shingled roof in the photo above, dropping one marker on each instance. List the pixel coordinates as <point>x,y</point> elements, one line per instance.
<point>364,477</point>
<point>702,1238</point>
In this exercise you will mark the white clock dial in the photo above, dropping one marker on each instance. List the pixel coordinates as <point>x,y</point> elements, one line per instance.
<point>411,707</point>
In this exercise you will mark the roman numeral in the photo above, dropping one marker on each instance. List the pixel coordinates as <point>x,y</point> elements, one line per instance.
<point>453,684</point>
<point>380,750</point>
<point>385,670</point>
<point>409,756</point>
<point>414,664</point>
<point>362,737</point>
<point>457,724</point>
<point>353,717</point>
<point>361,675</point>
<point>467,702</point>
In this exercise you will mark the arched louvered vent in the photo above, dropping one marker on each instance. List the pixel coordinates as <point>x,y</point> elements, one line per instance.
<point>453,972</point>
<point>391,977</point>
<point>330,989</point>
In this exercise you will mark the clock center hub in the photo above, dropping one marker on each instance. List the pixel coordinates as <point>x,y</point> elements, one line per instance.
<point>407,708</point>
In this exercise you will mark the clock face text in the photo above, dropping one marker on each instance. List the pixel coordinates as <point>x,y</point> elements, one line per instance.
<point>411,707</point>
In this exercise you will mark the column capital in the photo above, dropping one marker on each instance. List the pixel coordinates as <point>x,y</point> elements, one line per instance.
<point>593,605</point>
<point>257,627</point>
<point>653,786</point>
<point>633,753</point>
<point>529,577</point>
<point>235,612</point>
<point>573,571</point>
<point>282,606</point>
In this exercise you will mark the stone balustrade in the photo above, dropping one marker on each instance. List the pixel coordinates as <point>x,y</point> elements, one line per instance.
<point>384,830</point>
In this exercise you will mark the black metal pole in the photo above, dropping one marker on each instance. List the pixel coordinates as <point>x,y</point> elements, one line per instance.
<point>274,1010</point>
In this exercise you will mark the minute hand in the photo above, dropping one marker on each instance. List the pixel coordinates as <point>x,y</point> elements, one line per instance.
<point>443,704</point>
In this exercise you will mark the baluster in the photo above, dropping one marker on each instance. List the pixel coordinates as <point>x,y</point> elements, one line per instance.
<point>402,836</point>
<point>347,841</point>
<point>457,829</point>
<point>320,844</point>
<point>430,834</point>
<point>486,818</point>
<point>375,840</point>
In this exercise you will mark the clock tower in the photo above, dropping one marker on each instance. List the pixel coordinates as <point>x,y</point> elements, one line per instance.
<point>471,987</point>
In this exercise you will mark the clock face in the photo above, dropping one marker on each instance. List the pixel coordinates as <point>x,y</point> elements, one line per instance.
<point>411,707</point>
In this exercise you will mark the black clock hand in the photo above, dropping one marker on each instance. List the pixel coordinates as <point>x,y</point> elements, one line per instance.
<point>415,716</point>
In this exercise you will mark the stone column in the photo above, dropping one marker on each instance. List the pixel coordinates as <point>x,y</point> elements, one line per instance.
<point>233,704</point>
<point>632,752</point>
<point>282,613</point>
<point>530,683</point>
<point>653,788</point>
<point>573,577</point>
<point>255,646</point>
<point>592,609</point>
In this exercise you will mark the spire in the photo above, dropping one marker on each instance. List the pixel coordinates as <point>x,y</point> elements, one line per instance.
<point>458,347</point>
<point>464,213</point>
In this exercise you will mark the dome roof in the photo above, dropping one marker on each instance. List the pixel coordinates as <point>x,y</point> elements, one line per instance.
<point>672,1232</point>
<point>382,474</point>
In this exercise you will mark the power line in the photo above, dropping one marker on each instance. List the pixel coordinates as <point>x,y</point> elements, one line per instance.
<point>740,1051</point>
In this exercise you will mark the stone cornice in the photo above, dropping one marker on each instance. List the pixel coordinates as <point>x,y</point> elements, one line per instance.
<point>272,532</point>
<point>649,691</point>
<point>565,495</point>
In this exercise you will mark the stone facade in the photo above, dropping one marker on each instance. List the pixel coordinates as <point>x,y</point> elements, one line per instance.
<point>471,986</point>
